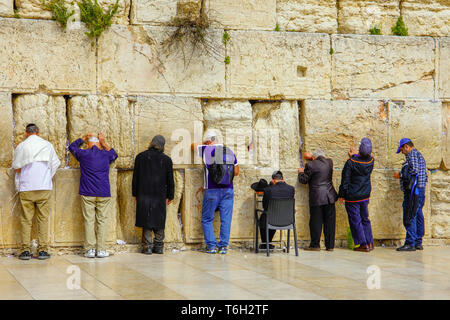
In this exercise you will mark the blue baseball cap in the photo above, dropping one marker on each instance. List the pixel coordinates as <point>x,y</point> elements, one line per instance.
<point>402,142</point>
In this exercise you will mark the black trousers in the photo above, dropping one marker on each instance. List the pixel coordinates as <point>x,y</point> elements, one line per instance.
<point>262,229</point>
<point>322,215</point>
<point>147,239</point>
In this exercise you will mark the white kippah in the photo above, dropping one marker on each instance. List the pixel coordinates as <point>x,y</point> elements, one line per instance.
<point>93,139</point>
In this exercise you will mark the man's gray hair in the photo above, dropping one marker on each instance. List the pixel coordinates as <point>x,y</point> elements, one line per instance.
<point>158,142</point>
<point>32,128</point>
<point>318,153</point>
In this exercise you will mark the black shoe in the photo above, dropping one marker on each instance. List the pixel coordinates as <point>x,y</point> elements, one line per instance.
<point>25,255</point>
<point>264,247</point>
<point>406,247</point>
<point>147,250</point>
<point>158,250</point>
<point>43,255</point>
<point>419,247</point>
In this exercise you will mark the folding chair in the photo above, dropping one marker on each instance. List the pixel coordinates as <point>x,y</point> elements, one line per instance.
<point>281,216</point>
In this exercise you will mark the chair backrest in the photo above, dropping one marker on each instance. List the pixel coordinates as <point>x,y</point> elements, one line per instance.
<point>281,212</point>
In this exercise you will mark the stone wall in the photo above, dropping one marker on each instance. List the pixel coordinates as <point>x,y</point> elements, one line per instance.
<point>275,77</point>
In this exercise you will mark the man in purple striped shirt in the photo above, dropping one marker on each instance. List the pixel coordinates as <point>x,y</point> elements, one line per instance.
<point>94,190</point>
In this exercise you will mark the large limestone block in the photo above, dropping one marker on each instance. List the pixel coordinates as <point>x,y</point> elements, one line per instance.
<point>34,9</point>
<point>163,12</point>
<point>10,210</point>
<point>426,17</point>
<point>444,68</point>
<point>242,225</point>
<point>307,16</point>
<point>288,64</point>
<point>6,130</point>
<point>37,55</point>
<point>180,124</point>
<point>335,126</point>
<point>276,126</point>
<point>446,135</point>
<point>383,67</point>
<point>6,8</point>
<point>157,12</point>
<point>113,116</point>
<point>136,60</point>
<point>173,232</point>
<point>421,121</point>
<point>359,16</point>
<point>233,120</point>
<point>69,222</point>
<point>440,204</point>
<point>48,113</point>
<point>126,229</point>
<point>242,14</point>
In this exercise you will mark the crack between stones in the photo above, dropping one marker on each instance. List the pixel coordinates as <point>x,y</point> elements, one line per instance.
<point>389,86</point>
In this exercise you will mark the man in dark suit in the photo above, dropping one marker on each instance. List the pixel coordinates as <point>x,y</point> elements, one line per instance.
<point>278,189</point>
<point>319,175</point>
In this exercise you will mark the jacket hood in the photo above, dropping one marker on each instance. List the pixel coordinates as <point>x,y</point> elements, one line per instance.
<point>362,166</point>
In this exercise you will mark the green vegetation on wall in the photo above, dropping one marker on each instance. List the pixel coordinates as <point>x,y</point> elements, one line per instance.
<point>95,17</point>
<point>400,28</point>
<point>59,11</point>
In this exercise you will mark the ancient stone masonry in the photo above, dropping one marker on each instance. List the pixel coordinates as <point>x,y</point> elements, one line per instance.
<point>6,8</point>
<point>307,16</point>
<point>272,76</point>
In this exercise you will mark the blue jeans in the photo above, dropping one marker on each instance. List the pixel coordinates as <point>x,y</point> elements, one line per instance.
<point>416,229</point>
<point>214,199</point>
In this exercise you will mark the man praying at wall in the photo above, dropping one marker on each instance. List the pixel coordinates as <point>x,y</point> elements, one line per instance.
<point>35,162</point>
<point>153,189</point>
<point>318,173</point>
<point>94,190</point>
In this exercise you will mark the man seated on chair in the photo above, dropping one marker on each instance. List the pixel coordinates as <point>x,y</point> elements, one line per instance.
<point>278,189</point>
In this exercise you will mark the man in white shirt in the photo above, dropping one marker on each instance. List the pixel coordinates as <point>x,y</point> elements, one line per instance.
<point>35,162</point>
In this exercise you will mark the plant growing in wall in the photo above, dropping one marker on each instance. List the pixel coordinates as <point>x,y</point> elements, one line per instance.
<point>95,17</point>
<point>59,11</point>
<point>225,38</point>
<point>376,30</point>
<point>400,28</point>
<point>191,28</point>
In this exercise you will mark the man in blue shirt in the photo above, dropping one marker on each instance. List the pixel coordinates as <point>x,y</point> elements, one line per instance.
<point>218,195</point>
<point>94,190</point>
<point>414,171</point>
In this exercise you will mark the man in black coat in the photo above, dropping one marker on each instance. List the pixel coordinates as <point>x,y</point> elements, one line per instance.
<point>278,189</point>
<point>153,189</point>
<point>319,175</point>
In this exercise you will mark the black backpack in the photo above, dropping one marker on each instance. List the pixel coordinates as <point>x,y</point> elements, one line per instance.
<point>221,170</point>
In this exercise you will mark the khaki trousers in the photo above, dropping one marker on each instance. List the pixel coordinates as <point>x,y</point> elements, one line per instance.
<point>95,214</point>
<point>35,202</point>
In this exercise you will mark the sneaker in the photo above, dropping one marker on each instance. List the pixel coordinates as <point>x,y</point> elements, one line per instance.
<point>214,250</point>
<point>102,254</point>
<point>43,255</point>
<point>419,247</point>
<point>223,250</point>
<point>25,255</point>
<point>90,253</point>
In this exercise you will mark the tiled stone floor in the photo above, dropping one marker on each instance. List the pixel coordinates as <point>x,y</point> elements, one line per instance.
<point>240,274</point>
